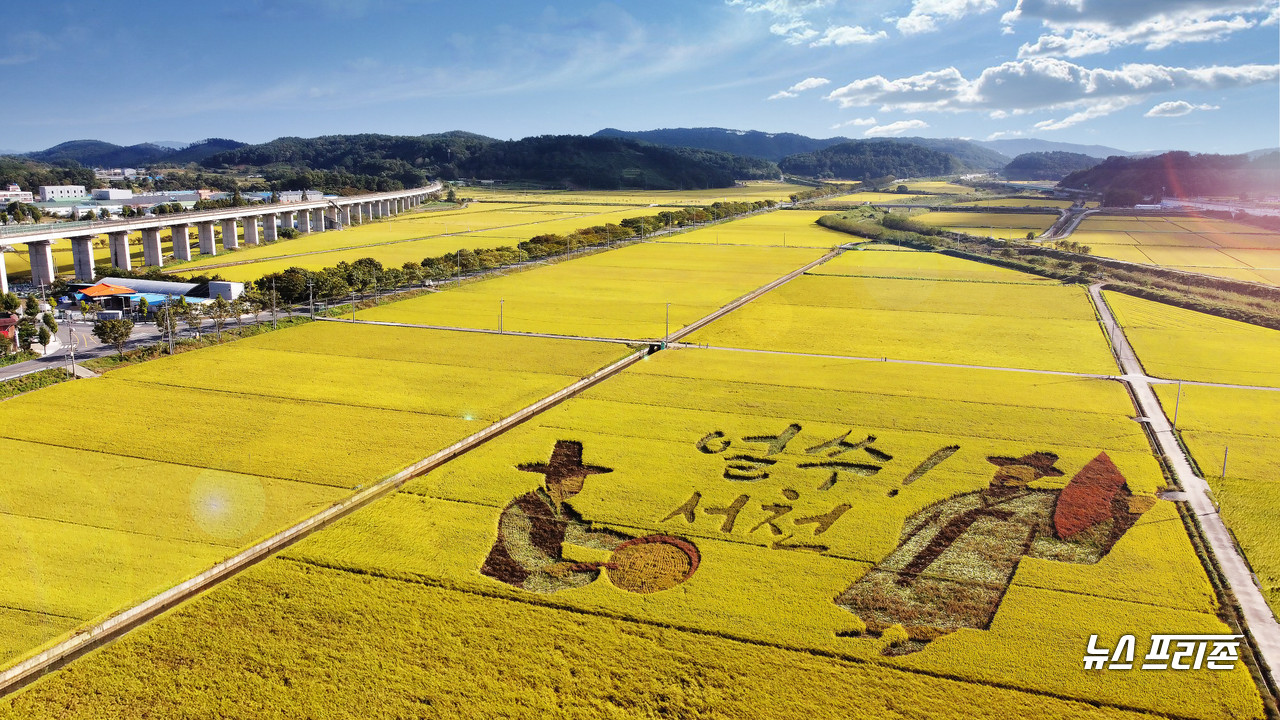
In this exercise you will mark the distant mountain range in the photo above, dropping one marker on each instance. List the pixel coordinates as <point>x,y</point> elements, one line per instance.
<point>96,153</point>
<point>1014,147</point>
<point>973,155</point>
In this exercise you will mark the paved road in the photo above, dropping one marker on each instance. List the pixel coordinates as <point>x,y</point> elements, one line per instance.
<point>1262,623</point>
<point>87,346</point>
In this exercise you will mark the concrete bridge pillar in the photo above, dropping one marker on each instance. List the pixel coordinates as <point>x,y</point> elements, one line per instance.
<point>375,210</point>
<point>250,230</point>
<point>229,239</point>
<point>181,242</point>
<point>82,257</point>
<point>41,256</point>
<point>344,215</point>
<point>303,220</point>
<point>4,276</point>
<point>118,242</point>
<point>151,254</point>
<point>317,220</point>
<point>269,227</point>
<point>207,245</point>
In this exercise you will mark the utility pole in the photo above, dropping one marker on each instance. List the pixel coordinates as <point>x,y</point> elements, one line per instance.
<point>71,346</point>
<point>311,298</point>
<point>501,303</point>
<point>667,336</point>
<point>1176,403</point>
<point>274,326</point>
<point>1224,461</point>
<point>169,322</point>
<point>353,306</point>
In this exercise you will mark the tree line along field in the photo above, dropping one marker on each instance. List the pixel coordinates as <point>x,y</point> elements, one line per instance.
<point>223,446</point>
<point>621,293</point>
<point>398,584</point>
<point>873,304</point>
<point>1203,245</point>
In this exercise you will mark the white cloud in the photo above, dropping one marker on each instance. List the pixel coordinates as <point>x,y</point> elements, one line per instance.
<point>1176,108</point>
<point>1004,134</point>
<point>895,128</point>
<point>925,14</point>
<point>790,16</point>
<point>840,35</point>
<point>1092,111</point>
<point>856,122</point>
<point>793,21</point>
<point>795,90</point>
<point>1084,27</point>
<point>1024,86</point>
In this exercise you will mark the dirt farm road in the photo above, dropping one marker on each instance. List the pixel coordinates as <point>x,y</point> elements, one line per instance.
<point>1262,623</point>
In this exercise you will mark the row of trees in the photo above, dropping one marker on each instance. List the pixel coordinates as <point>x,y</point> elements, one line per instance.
<point>33,325</point>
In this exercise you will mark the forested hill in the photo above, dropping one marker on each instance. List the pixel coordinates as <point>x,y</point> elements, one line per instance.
<point>1182,174</point>
<point>565,160</point>
<point>970,156</point>
<point>612,163</point>
<point>96,153</point>
<point>776,146</point>
<point>867,159</point>
<point>1047,165</point>
<point>406,159</point>
<point>750,143</point>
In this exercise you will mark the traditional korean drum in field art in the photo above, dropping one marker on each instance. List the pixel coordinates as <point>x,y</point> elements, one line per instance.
<point>652,564</point>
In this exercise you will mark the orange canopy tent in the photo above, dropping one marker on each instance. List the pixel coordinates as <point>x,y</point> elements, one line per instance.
<point>106,290</point>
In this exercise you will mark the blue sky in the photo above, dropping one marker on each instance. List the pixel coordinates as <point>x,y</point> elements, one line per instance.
<point>1201,75</point>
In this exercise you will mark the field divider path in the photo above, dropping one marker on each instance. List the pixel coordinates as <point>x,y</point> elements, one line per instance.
<point>1262,623</point>
<point>89,639</point>
<point>550,336</point>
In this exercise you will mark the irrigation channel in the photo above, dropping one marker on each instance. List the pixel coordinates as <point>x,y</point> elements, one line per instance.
<point>104,632</point>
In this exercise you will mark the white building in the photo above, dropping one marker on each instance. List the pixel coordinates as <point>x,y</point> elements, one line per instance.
<point>50,193</point>
<point>293,196</point>
<point>14,193</point>
<point>112,194</point>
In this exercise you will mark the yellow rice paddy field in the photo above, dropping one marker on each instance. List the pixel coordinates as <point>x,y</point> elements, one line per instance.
<point>748,191</point>
<point>404,582</point>
<point>1018,202</point>
<point>1031,324</point>
<point>621,293</point>
<point>772,520</point>
<point>788,228</point>
<point>1182,344</point>
<point>1008,226</point>
<point>1204,245</point>
<point>197,455</point>
<point>1238,426</point>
